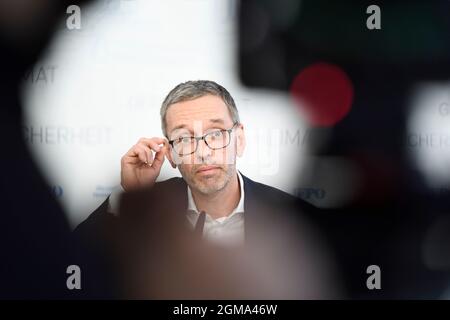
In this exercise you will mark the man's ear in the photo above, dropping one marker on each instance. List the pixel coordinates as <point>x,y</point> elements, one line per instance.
<point>240,140</point>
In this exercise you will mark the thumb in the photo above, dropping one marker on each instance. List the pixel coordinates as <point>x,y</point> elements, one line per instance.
<point>159,160</point>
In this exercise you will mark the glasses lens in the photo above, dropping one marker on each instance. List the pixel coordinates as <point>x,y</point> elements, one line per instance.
<point>217,139</point>
<point>184,145</point>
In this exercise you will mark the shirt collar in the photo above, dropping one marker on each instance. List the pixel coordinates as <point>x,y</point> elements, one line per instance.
<point>239,207</point>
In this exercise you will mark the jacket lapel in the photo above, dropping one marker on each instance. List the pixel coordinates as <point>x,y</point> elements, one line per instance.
<point>250,208</point>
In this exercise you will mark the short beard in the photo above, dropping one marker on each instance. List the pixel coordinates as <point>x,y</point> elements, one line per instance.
<point>208,189</point>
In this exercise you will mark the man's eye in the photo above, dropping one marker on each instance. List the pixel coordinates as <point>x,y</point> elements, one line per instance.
<point>216,134</point>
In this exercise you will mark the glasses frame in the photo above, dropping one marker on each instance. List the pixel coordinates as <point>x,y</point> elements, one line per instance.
<point>197,139</point>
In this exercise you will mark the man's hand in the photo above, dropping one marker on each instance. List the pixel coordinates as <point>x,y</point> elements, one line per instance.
<point>139,167</point>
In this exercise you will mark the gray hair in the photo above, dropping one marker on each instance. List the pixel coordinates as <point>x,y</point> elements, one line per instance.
<point>191,90</point>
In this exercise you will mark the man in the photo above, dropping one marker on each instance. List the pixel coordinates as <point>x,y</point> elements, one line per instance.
<point>203,138</point>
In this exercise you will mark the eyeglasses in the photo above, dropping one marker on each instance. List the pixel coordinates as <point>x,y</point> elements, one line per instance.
<point>217,139</point>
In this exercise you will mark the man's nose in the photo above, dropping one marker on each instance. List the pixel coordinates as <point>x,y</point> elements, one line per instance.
<point>203,151</point>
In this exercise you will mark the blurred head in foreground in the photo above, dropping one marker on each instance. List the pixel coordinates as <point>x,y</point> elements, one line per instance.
<point>161,258</point>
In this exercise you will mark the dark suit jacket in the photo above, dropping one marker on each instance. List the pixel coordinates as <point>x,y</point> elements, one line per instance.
<point>171,196</point>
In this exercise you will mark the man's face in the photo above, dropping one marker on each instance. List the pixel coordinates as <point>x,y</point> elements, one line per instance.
<point>196,118</point>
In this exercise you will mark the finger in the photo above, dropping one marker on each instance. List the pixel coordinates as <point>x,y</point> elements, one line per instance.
<point>164,150</point>
<point>143,153</point>
<point>167,151</point>
<point>148,153</point>
<point>159,160</point>
<point>131,160</point>
<point>166,144</point>
<point>130,153</point>
<point>150,146</point>
<point>153,143</point>
<point>131,157</point>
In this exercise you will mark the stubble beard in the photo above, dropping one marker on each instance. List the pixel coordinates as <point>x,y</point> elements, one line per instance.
<point>211,183</point>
